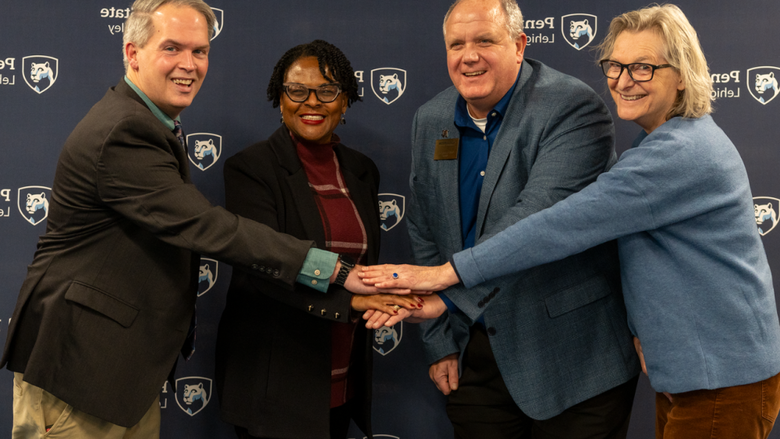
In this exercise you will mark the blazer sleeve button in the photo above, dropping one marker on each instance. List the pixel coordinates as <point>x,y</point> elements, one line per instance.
<point>491,330</point>
<point>481,304</point>
<point>254,267</point>
<point>311,307</point>
<point>323,312</point>
<point>277,273</point>
<point>337,315</point>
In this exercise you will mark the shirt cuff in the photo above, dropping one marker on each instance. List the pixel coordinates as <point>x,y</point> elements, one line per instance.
<point>450,305</point>
<point>317,269</point>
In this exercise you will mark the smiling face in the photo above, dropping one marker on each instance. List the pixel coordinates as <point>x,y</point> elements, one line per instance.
<point>482,58</point>
<point>171,67</point>
<point>311,120</point>
<point>646,103</point>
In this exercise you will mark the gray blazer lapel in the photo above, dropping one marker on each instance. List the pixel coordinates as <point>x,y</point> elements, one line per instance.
<point>507,139</point>
<point>448,183</point>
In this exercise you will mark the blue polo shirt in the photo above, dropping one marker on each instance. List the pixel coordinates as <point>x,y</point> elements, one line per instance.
<point>473,156</point>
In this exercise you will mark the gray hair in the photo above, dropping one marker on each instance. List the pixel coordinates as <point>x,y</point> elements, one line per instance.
<point>681,49</point>
<point>513,18</point>
<point>139,27</point>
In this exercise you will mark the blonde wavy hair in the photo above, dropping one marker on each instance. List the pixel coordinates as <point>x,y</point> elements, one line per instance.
<point>681,49</point>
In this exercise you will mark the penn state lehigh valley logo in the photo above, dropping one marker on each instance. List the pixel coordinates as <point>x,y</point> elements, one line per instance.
<point>33,203</point>
<point>386,339</point>
<point>40,72</point>
<point>220,14</point>
<point>204,149</point>
<point>391,210</point>
<point>207,275</point>
<point>762,83</point>
<point>765,209</point>
<point>193,394</point>
<point>578,29</point>
<point>388,83</point>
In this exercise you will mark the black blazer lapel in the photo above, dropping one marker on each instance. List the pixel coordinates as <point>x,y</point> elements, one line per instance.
<point>298,183</point>
<point>367,204</point>
<point>179,153</point>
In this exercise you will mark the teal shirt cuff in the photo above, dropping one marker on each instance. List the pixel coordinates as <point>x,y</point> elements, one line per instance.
<point>317,269</point>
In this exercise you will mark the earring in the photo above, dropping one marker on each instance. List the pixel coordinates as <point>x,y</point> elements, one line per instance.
<point>343,120</point>
<point>281,120</point>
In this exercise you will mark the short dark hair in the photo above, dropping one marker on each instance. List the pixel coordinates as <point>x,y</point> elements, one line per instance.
<point>328,56</point>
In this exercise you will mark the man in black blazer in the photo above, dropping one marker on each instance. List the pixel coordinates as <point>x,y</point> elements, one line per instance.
<point>109,298</point>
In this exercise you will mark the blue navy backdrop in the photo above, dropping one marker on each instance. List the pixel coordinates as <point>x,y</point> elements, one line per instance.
<point>73,50</point>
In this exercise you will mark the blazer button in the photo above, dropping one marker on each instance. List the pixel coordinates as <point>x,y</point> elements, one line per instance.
<point>314,282</point>
<point>491,330</point>
<point>277,273</point>
<point>323,312</point>
<point>481,304</point>
<point>316,272</point>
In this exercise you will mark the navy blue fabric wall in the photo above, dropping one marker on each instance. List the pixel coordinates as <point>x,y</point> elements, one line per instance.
<point>78,47</point>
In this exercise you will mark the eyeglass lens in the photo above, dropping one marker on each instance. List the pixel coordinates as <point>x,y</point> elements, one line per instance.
<point>638,71</point>
<point>325,93</point>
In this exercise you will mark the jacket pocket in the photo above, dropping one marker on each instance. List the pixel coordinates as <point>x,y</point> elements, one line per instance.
<point>102,302</point>
<point>577,296</point>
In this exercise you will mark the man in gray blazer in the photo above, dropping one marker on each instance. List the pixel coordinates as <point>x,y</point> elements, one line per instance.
<point>109,298</point>
<point>546,352</point>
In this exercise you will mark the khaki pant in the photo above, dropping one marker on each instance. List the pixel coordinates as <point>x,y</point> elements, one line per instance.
<point>36,410</point>
<point>743,412</point>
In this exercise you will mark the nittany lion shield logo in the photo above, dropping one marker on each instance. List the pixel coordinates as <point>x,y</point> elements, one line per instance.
<point>220,14</point>
<point>762,83</point>
<point>207,275</point>
<point>204,149</point>
<point>388,83</point>
<point>33,203</point>
<point>391,210</point>
<point>193,394</point>
<point>40,72</point>
<point>765,209</point>
<point>578,29</point>
<point>388,338</point>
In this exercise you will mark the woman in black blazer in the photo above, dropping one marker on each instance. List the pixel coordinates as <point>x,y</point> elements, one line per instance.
<point>298,364</point>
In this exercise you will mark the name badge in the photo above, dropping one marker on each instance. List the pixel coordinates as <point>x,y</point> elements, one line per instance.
<point>446,149</point>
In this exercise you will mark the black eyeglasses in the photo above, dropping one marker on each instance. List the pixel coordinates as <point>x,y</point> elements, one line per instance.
<point>639,72</point>
<point>299,92</point>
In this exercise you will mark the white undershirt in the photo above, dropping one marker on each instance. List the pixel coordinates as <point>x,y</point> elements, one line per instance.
<point>480,123</point>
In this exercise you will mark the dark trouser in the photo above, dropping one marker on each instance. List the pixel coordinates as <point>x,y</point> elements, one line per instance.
<point>744,412</point>
<point>339,424</point>
<point>482,407</point>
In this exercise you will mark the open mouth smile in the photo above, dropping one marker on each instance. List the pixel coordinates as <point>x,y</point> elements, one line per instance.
<point>632,98</point>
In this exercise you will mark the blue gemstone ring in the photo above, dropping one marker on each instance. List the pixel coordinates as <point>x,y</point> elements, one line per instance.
<point>395,275</point>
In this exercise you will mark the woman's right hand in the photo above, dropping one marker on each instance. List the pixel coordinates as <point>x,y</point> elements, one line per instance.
<point>638,347</point>
<point>386,303</point>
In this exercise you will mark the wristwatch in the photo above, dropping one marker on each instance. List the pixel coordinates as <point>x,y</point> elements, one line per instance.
<point>346,266</point>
